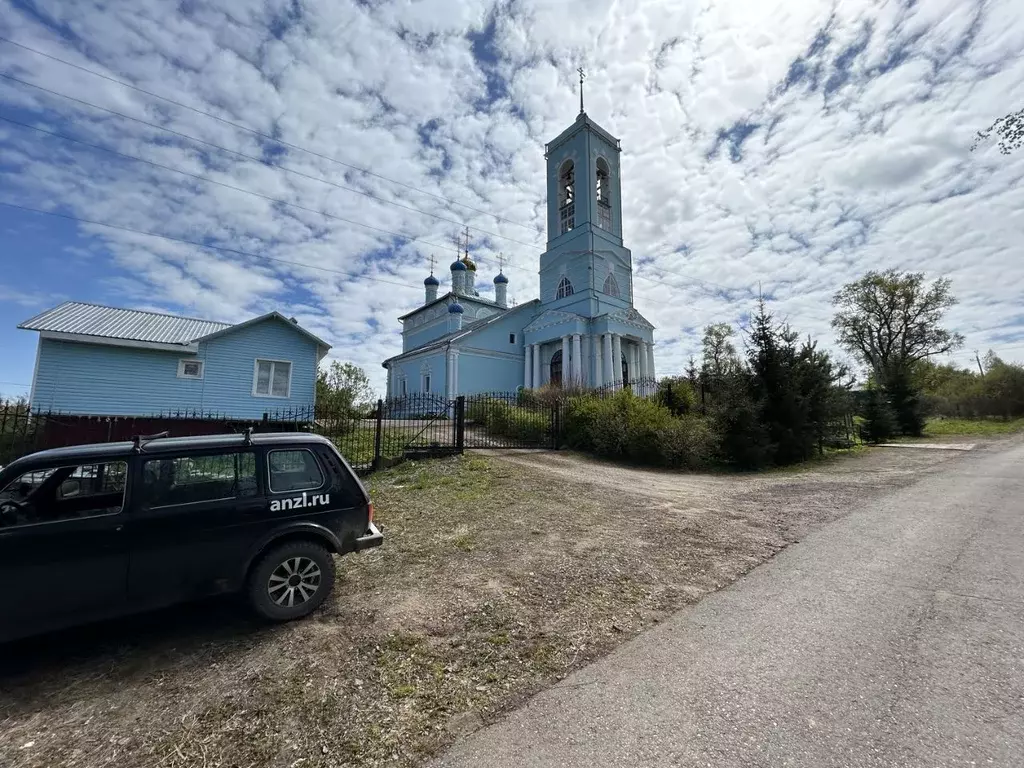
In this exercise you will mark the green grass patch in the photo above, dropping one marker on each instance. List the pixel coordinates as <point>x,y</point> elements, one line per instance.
<point>947,427</point>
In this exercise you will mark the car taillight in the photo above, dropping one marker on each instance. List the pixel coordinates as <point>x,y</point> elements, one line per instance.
<point>371,511</point>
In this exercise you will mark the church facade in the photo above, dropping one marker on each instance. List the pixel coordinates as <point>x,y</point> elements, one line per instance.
<point>582,331</point>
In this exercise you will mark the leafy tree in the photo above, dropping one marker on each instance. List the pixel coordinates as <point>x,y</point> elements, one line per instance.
<point>1010,130</point>
<point>720,356</point>
<point>891,321</point>
<point>343,389</point>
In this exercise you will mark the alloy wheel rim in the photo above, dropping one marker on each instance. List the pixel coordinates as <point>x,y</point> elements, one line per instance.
<point>294,582</point>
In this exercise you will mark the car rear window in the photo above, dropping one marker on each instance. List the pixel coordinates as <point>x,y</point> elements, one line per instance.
<point>294,470</point>
<point>194,479</point>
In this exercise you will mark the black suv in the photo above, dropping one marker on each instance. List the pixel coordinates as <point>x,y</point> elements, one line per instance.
<point>99,530</point>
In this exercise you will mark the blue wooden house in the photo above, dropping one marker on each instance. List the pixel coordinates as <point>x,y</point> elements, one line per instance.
<point>104,361</point>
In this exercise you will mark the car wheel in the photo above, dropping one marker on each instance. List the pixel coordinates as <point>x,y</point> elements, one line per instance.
<point>291,580</point>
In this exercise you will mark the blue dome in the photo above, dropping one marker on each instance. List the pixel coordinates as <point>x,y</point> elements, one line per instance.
<point>431,281</point>
<point>458,266</point>
<point>455,308</point>
<point>500,278</point>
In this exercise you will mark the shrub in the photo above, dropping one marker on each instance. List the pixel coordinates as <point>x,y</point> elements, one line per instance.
<point>677,394</point>
<point>636,429</point>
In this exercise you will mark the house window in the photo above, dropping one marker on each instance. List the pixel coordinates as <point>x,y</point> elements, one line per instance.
<point>272,378</point>
<point>404,388</point>
<point>564,288</point>
<point>511,338</point>
<point>611,286</point>
<point>426,383</point>
<point>604,198</point>
<point>566,196</point>
<point>190,369</point>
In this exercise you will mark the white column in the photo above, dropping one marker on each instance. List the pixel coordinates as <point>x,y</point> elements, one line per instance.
<point>566,357</point>
<point>617,360</point>
<point>644,375</point>
<point>528,366</point>
<point>449,382</point>
<point>577,360</point>
<point>455,374</point>
<point>650,360</point>
<point>536,366</point>
<point>606,352</point>
<point>596,369</point>
<point>634,366</point>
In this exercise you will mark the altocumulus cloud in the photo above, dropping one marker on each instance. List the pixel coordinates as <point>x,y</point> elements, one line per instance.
<point>775,147</point>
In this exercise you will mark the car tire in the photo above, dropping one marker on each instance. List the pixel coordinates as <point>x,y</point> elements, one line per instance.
<point>291,580</point>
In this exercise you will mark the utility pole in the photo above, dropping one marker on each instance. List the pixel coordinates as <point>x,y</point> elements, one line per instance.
<point>980,367</point>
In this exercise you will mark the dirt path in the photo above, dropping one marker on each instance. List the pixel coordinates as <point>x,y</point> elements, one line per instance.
<point>499,576</point>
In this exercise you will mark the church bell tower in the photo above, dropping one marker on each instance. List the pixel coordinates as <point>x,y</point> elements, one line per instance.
<point>585,250</point>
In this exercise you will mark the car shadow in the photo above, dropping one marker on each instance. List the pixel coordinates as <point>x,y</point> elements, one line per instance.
<point>159,638</point>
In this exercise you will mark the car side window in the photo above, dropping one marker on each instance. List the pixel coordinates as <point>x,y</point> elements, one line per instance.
<point>295,470</point>
<point>63,493</point>
<point>195,479</point>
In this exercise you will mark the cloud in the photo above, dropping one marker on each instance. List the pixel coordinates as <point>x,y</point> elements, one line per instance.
<point>775,147</point>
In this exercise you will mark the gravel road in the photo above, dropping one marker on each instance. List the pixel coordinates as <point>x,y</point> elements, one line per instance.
<point>893,636</point>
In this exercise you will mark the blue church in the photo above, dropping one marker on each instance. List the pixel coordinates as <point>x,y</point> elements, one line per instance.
<point>582,331</point>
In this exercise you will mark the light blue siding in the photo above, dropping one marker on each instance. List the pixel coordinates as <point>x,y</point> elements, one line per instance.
<point>103,380</point>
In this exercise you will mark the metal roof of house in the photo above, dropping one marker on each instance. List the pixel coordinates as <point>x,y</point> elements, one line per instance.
<point>114,323</point>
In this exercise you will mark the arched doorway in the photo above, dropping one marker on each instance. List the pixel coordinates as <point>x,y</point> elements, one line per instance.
<point>555,375</point>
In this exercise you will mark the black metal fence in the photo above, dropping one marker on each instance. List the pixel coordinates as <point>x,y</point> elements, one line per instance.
<point>415,426</point>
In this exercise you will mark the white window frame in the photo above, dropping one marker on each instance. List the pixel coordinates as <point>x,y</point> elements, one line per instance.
<point>181,368</point>
<point>564,288</point>
<point>256,375</point>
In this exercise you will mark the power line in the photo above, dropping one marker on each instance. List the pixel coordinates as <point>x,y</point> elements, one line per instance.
<point>224,248</point>
<point>262,135</point>
<point>261,161</point>
<point>219,183</point>
<point>267,163</point>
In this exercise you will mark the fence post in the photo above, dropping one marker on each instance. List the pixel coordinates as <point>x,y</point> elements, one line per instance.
<point>556,423</point>
<point>460,424</point>
<point>378,454</point>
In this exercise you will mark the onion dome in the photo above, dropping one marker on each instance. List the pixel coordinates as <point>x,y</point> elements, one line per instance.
<point>500,279</point>
<point>455,308</point>
<point>458,266</point>
<point>470,264</point>
<point>431,281</point>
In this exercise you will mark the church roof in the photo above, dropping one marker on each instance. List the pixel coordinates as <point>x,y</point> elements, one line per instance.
<point>582,122</point>
<point>443,341</point>
<point>460,297</point>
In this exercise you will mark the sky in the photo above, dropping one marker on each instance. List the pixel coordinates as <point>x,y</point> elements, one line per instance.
<point>778,148</point>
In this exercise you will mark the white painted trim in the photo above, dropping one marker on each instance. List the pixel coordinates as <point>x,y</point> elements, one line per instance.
<point>255,377</point>
<point>35,374</point>
<point>181,368</point>
<point>130,343</point>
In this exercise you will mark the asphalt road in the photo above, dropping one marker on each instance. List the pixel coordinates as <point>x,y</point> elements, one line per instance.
<point>892,637</point>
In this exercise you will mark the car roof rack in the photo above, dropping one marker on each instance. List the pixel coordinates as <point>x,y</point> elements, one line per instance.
<point>138,441</point>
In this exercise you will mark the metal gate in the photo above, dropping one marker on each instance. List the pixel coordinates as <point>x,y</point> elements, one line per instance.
<point>510,420</point>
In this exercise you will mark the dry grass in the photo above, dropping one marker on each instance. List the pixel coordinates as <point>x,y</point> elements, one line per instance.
<point>498,576</point>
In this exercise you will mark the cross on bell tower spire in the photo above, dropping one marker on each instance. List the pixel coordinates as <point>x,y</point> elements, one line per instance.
<point>583,76</point>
